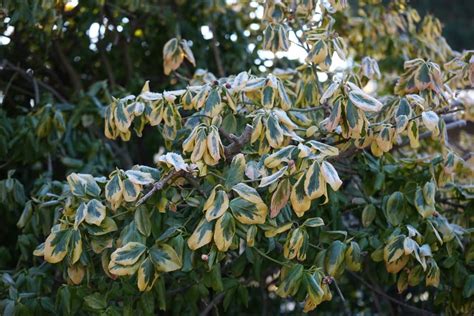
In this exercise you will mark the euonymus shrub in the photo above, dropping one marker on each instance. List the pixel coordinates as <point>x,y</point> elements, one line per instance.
<point>284,181</point>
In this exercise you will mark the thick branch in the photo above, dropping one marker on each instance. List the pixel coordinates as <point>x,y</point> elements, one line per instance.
<point>213,303</point>
<point>160,184</point>
<point>236,143</point>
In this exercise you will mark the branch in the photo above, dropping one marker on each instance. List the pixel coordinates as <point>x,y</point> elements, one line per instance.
<point>194,182</point>
<point>215,50</point>
<point>213,303</point>
<point>73,75</point>
<point>236,143</point>
<point>8,65</point>
<point>370,287</point>
<point>160,184</point>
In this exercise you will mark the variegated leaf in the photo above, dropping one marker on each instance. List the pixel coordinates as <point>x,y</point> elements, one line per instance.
<point>247,193</point>
<point>394,249</point>
<point>266,181</point>
<point>113,191</point>
<point>129,254</point>
<point>165,258</point>
<point>202,235</point>
<point>330,175</point>
<point>131,190</point>
<point>56,245</point>
<point>75,246</point>
<point>280,197</point>
<point>335,257</point>
<point>139,177</point>
<point>147,275</point>
<point>248,212</point>
<point>280,156</point>
<point>364,101</point>
<point>95,212</point>
<point>219,205</point>
<point>274,132</point>
<point>224,232</point>
<point>314,183</point>
<point>300,202</point>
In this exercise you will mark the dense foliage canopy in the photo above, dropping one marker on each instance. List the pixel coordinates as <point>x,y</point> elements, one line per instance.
<point>260,185</point>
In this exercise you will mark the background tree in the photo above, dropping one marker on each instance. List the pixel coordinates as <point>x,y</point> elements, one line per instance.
<point>278,184</point>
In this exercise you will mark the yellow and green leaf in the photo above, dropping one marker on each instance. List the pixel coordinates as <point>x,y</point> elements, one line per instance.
<point>165,258</point>
<point>224,232</point>
<point>202,235</point>
<point>147,275</point>
<point>220,203</point>
<point>128,254</point>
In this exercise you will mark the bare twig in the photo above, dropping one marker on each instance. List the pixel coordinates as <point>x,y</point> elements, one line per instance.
<point>160,184</point>
<point>193,181</point>
<point>236,142</point>
<point>8,65</point>
<point>390,298</point>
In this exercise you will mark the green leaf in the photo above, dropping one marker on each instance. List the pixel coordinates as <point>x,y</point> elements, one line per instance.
<point>324,149</point>
<point>75,246</point>
<point>235,174</point>
<point>395,208</point>
<point>82,184</point>
<point>299,201</point>
<point>95,301</point>
<point>368,215</point>
<point>468,289</point>
<point>143,221</point>
<point>268,97</point>
<point>108,225</point>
